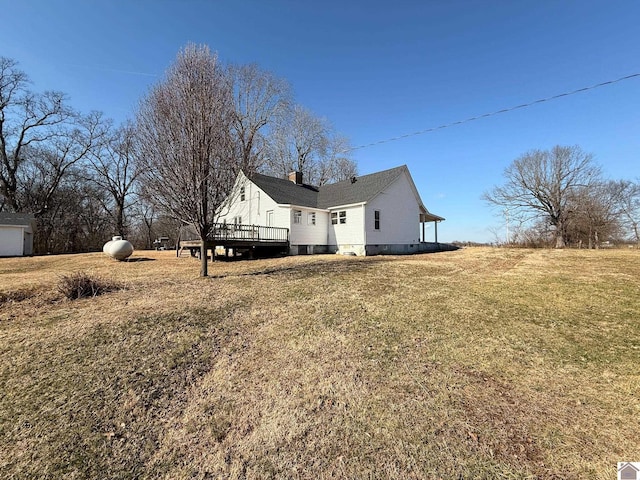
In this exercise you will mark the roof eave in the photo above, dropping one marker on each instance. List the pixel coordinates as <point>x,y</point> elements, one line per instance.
<point>430,217</point>
<point>346,205</point>
<point>291,205</point>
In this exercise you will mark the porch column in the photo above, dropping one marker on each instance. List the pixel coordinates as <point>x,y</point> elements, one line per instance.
<point>424,239</point>
<point>435,224</point>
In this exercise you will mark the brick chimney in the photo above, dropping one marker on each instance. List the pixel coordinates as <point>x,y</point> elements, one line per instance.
<point>296,177</point>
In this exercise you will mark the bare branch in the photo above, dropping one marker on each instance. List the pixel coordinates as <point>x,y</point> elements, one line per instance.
<point>186,143</point>
<point>539,184</point>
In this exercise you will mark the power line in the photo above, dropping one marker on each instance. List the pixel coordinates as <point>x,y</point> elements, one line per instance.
<point>498,112</point>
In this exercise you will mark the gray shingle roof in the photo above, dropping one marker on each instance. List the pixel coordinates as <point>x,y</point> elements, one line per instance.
<point>17,219</point>
<point>286,192</point>
<point>363,189</point>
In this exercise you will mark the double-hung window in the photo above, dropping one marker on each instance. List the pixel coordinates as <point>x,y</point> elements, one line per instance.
<point>297,216</point>
<point>376,219</point>
<point>339,217</point>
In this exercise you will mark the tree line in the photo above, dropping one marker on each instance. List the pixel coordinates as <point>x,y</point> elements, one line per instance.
<point>86,179</point>
<point>560,197</point>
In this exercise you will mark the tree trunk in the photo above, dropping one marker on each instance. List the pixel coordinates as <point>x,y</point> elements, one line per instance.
<point>120,220</point>
<point>204,265</point>
<point>560,240</point>
<point>560,232</point>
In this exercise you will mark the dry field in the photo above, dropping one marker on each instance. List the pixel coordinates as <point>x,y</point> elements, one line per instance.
<point>480,363</point>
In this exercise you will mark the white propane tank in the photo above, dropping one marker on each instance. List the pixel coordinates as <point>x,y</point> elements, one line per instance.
<point>105,249</point>
<point>118,248</point>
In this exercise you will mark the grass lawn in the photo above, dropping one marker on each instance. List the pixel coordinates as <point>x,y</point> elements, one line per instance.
<point>479,363</point>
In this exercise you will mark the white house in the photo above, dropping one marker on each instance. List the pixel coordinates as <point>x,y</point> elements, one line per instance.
<point>366,215</point>
<point>16,234</point>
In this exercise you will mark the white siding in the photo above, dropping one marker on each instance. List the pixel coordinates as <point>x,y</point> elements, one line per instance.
<point>399,219</point>
<point>305,234</point>
<point>253,210</point>
<point>348,237</point>
<point>399,215</point>
<point>11,241</point>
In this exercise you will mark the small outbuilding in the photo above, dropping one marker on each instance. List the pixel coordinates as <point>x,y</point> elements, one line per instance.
<point>16,234</point>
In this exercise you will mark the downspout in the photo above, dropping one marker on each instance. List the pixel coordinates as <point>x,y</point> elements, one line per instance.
<point>364,226</point>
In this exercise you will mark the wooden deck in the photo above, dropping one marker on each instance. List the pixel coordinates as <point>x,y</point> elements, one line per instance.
<point>238,238</point>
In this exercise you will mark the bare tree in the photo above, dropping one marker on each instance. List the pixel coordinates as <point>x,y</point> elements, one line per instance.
<point>540,184</point>
<point>628,205</point>
<point>298,143</point>
<point>184,126</point>
<point>305,143</point>
<point>337,165</point>
<point>594,215</point>
<point>43,165</point>
<point>27,121</point>
<point>116,170</point>
<point>75,221</point>
<point>260,101</point>
<point>144,221</point>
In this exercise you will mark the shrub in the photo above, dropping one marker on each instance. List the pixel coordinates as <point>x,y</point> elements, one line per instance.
<point>83,285</point>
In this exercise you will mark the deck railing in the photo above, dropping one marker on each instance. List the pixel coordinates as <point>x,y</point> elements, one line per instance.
<point>222,231</point>
<point>241,232</point>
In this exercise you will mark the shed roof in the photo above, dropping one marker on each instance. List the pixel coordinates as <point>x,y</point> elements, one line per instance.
<point>17,219</point>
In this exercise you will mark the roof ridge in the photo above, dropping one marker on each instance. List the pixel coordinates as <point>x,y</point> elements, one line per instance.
<point>381,172</point>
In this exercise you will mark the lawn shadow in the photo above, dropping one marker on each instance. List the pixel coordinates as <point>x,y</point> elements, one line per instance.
<point>305,269</point>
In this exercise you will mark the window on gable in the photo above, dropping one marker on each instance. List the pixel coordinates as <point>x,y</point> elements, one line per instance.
<point>242,194</point>
<point>311,218</point>
<point>334,218</point>
<point>376,219</point>
<point>297,216</point>
<point>343,216</point>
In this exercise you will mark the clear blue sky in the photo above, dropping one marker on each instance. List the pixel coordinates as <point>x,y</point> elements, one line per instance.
<point>376,70</point>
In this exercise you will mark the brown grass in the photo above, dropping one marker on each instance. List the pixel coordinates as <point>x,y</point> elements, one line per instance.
<point>480,363</point>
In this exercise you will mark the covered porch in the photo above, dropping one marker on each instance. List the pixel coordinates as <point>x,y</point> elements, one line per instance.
<point>425,218</point>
